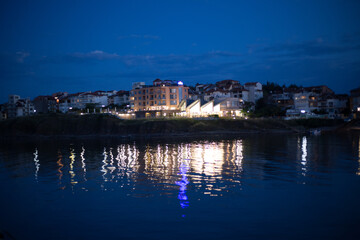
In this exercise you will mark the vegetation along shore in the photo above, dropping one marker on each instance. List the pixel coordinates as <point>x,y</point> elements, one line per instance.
<point>61,125</point>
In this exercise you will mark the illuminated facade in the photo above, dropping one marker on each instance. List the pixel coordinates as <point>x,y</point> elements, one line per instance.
<point>162,95</point>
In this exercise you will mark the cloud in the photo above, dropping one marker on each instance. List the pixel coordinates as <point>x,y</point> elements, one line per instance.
<point>315,48</point>
<point>20,56</point>
<point>136,36</point>
<point>97,54</point>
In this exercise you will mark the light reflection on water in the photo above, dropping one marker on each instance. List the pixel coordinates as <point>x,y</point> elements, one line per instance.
<point>204,164</point>
<point>203,181</point>
<point>37,164</point>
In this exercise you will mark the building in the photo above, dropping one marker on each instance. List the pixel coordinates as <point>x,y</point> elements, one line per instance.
<point>225,107</point>
<point>334,105</point>
<point>45,104</point>
<point>17,107</point>
<point>355,102</point>
<point>3,113</point>
<point>82,99</point>
<point>255,91</point>
<point>120,98</point>
<point>283,98</point>
<point>160,99</point>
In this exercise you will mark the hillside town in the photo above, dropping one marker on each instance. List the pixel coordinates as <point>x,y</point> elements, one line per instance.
<point>168,98</point>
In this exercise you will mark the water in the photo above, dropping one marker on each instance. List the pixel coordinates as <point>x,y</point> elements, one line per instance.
<point>250,187</point>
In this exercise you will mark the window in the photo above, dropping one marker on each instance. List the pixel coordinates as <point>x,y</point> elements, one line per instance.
<point>135,98</point>
<point>173,90</point>
<point>173,102</point>
<point>139,98</point>
<point>185,90</point>
<point>163,96</point>
<point>139,103</point>
<point>139,92</point>
<point>172,96</point>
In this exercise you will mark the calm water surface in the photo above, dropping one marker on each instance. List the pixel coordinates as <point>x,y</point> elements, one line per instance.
<point>251,187</point>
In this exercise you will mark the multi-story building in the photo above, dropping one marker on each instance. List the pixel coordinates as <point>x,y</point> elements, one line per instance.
<point>17,107</point>
<point>255,91</point>
<point>334,105</point>
<point>120,98</point>
<point>162,98</point>
<point>45,104</point>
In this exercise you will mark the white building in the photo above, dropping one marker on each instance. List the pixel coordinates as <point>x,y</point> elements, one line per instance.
<point>120,98</point>
<point>255,91</point>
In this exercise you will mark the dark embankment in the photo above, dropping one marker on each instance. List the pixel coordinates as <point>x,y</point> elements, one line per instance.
<point>103,125</point>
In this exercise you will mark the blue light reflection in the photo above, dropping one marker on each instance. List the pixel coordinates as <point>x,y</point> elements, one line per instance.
<point>182,183</point>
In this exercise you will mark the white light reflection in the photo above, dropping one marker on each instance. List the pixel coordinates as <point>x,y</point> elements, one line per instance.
<point>37,163</point>
<point>239,155</point>
<point>103,167</point>
<point>304,155</point>
<point>71,171</point>
<point>111,166</point>
<point>83,165</point>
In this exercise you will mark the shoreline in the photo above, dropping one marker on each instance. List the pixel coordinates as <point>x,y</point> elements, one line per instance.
<point>102,126</point>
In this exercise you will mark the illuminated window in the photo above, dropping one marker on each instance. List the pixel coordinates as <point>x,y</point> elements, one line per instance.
<point>173,90</point>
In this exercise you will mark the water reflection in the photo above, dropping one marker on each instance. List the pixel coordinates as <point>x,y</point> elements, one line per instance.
<point>37,163</point>
<point>60,166</point>
<point>211,167</point>
<point>304,155</point>
<point>182,183</point>
<point>83,165</point>
<point>71,171</point>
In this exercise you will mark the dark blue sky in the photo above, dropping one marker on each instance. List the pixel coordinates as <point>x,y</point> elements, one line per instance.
<point>49,46</point>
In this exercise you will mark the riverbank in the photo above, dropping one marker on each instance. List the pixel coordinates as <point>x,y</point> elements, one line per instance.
<point>96,125</point>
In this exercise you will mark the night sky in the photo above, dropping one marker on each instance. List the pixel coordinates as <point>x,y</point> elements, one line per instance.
<point>50,46</point>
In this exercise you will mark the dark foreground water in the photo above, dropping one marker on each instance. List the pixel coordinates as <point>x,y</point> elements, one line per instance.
<point>251,187</point>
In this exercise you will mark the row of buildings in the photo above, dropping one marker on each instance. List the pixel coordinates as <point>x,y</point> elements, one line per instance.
<point>63,102</point>
<point>172,98</point>
<point>230,98</point>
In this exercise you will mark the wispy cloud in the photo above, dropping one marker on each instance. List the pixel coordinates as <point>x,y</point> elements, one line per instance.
<point>20,56</point>
<point>315,48</point>
<point>137,36</point>
<point>97,54</point>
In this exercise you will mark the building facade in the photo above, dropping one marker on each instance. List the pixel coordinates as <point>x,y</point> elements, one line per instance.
<point>161,96</point>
